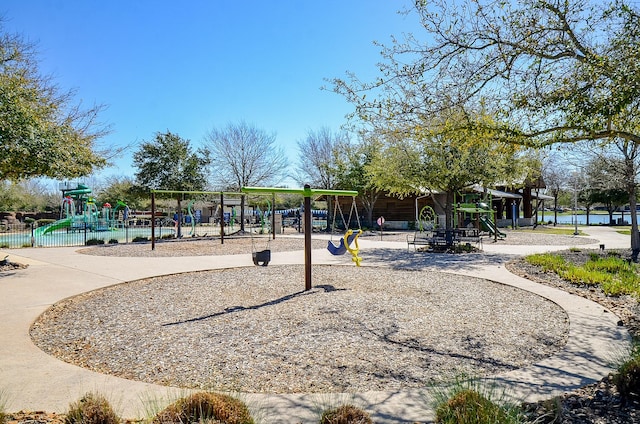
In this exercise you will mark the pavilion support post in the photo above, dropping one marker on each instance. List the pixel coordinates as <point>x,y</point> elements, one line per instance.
<point>153,221</point>
<point>307,239</point>
<point>221,218</point>
<point>273,216</point>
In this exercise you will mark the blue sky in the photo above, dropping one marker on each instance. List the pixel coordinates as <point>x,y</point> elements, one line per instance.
<point>188,67</point>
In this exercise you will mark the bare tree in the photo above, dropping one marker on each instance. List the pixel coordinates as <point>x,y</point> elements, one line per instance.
<point>318,160</point>
<point>244,155</point>
<point>555,178</point>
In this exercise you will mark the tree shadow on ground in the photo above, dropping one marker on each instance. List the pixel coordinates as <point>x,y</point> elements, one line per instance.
<point>235,309</point>
<point>409,259</point>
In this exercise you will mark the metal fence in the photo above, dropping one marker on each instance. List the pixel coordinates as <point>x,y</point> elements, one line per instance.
<point>33,235</point>
<point>46,233</point>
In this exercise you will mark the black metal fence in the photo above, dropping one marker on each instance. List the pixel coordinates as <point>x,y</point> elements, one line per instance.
<point>33,234</point>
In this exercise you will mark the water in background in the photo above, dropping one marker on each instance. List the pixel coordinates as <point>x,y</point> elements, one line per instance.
<point>599,219</point>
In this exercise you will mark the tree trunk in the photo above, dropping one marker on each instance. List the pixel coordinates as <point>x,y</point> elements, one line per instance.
<point>449,211</point>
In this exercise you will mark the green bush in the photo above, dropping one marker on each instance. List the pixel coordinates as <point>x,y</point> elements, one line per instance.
<point>140,239</point>
<point>613,274</point>
<point>470,407</point>
<point>113,241</point>
<point>91,409</point>
<point>94,242</point>
<point>44,221</point>
<point>345,414</point>
<point>205,407</point>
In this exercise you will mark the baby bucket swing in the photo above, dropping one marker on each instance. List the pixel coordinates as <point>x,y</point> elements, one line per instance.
<point>350,236</point>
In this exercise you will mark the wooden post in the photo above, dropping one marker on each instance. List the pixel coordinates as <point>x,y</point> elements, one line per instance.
<point>153,221</point>
<point>307,237</point>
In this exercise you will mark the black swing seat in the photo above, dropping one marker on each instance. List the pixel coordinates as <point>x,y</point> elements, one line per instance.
<point>262,258</point>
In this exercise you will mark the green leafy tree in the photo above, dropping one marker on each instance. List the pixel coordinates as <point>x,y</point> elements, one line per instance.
<point>245,155</point>
<point>558,71</point>
<point>42,131</point>
<point>441,157</point>
<point>27,195</point>
<point>170,163</point>
<point>353,172</point>
<point>123,189</point>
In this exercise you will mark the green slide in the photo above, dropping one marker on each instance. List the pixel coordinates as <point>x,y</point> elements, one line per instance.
<point>488,225</point>
<point>62,223</point>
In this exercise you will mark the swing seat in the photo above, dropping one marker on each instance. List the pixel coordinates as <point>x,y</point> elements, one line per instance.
<point>262,258</point>
<point>341,248</point>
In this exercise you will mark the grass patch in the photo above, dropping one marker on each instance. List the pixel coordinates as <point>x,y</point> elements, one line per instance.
<point>205,407</point>
<point>548,261</point>
<point>467,401</point>
<point>627,377</point>
<point>560,231</point>
<point>92,408</point>
<point>345,414</point>
<point>613,274</point>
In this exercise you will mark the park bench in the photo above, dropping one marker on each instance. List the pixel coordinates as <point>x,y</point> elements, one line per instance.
<point>426,238</point>
<point>438,238</point>
<point>468,236</point>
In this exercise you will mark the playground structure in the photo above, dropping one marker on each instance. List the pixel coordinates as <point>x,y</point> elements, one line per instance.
<point>307,192</point>
<point>79,212</point>
<point>472,212</point>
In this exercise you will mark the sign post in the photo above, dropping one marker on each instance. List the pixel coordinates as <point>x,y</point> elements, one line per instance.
<point>381,224</point>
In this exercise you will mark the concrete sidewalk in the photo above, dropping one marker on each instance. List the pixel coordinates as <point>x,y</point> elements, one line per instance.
<point>33,380</point>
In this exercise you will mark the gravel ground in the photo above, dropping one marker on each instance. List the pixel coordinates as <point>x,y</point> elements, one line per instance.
<point>252,330</point>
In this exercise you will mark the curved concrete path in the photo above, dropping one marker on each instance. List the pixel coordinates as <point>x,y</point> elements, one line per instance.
<point>33,380</point>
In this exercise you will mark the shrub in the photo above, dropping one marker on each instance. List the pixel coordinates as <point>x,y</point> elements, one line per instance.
<point>91,409</point>
<point>627,379</point>
<point>205,406</point>
<point>113,241</point>
<point>94,242</point>
<point>140,239</point>
<point>3,406</point>
<point>345,414</point>
<point>470,407</point>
